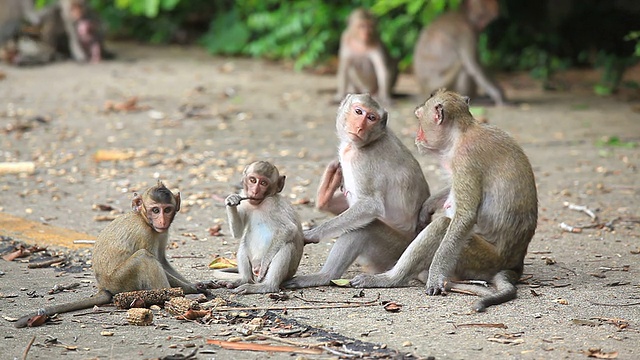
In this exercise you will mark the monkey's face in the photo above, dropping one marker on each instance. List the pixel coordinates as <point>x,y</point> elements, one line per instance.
<point>362,124</point>
<point>364,30</point>
<point>430,117</point>
<point>160,215</point>
<point>257,187</point>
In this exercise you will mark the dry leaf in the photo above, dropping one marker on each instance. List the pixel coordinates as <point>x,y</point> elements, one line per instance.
<point>37,320</point>
<point>392,306</point>
<point>561,301</point>
<point>599,354</point>
<point>341,282</point>
<point>223,263</point>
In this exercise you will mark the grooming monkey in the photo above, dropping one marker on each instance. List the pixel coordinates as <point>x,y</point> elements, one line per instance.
<point>364,63</point>
<point>130,254</point>
<point>376,190</point>
<point>491,208</point>
<point>445,55</point>
<point>271,243</point>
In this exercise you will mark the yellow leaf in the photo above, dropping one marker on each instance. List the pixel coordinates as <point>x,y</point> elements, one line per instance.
<point>341,282</point>
<point>222,263</point>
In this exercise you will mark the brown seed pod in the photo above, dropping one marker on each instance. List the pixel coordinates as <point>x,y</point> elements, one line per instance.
<point>140,316</point>
<point>179,306</point>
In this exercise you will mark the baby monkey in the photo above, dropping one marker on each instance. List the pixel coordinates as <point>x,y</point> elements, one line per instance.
<point>271,243</point>
<point>491,208</point>
<point>130,254</point>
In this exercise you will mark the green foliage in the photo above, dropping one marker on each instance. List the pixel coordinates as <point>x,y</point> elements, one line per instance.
<point>615,141</point>
<point>148,8</point>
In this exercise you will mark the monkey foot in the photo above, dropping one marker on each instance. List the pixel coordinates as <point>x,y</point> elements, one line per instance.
<point>305,281</point>
<point>371,281</point>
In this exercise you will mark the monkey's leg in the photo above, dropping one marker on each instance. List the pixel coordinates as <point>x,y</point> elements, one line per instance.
<point>414,260</point>
<point>244,269</point>
<point>141,271</point>
<point>465,85</point>
<point>278,271</point>
<point>375,245</point>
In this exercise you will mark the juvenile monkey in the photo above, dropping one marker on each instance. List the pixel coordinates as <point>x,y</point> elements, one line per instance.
<point>88,30</point>
<point>376,190</point>
<point>491,208</point>
<point>364,63</point>
<point>271,243</point>
<point>445,55</point>
<point>129,253</point>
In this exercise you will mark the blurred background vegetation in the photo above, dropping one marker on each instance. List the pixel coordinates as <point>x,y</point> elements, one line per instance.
<point>541,37</point>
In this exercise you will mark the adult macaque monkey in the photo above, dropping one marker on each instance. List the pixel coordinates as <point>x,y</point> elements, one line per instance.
<point>364,63</point>
<point>491,208</point>
<point>130,255</point>
<point>271,243</point>
<point>382,189</point>
<point>445,55</point>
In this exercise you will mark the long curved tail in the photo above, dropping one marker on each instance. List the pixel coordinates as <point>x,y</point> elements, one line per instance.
<point>101,298</point>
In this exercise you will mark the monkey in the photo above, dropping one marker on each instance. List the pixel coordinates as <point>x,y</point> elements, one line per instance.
<point>12,15</point>
<point>364,62</point>
<point>129,254</point>
<point>445,55</point>
<point>490,208</point>
<point>376,189</point>
<point>88,30</point>
<point>272,241</point>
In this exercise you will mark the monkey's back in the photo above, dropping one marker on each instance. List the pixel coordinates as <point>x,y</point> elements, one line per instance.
<point>122,237</point>
<point>509,207</point>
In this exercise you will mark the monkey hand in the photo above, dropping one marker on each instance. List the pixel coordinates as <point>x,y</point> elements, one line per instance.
<point>233,200</point>
<point>436,285</point>
<point>424,218</point>
<point>310,237</point>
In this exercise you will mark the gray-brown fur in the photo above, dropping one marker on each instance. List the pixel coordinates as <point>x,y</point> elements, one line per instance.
<point>376,190</point>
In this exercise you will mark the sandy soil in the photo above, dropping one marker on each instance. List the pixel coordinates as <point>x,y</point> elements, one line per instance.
<point>203,118</point>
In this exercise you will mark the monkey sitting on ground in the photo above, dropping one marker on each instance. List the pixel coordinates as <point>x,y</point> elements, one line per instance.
<point>376,190</point>
<point>129,253</point>
<point>491,208</point>
<point>445,55</point>
<point>364,62</point>
<point>272,243</point>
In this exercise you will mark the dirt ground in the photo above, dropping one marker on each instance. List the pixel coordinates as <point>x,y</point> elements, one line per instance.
<point>201,119</point>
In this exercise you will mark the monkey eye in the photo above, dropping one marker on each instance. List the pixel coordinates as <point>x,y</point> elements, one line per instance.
<point>168,210</point>
<point>371,117</point>
<point>253,180</point>
<point>155,210</point>
<point>358,111</point>
<point>264,183</point>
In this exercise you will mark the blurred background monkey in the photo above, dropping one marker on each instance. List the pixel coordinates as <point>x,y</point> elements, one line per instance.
<point>445,55</point>
<point>364,62</point>
<point>129,253</point>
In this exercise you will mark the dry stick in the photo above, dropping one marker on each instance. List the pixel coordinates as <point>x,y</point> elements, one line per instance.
<point>43,264</point>
<point>603,304</point>
<point>290,342</point>
<point>262,347</point>
<point>337,302</point>
<point>499,325</point>
<point>336,352</point>
<point>26,350</point>
<point>581,208</point>
<point>99,312</point>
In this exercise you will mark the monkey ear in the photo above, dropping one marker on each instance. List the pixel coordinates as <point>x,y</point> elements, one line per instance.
<point>439,118</point>
<point>177,197</point>
<point>384,117</point>
<point>136,202</point>
<point>280,184</point>
<point>466,99</point>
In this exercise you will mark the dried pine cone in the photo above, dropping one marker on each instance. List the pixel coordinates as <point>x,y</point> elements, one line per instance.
<point>140,316</point>
<point>180,305</point>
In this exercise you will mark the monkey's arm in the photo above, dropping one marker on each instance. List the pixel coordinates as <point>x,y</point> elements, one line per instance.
<point>361,213</point>
<point>343,64</point>
<point>234,216</point>
<point>470,63</point>
<point>383,75</point>
<point>468,196</point>
<point>431,205</point>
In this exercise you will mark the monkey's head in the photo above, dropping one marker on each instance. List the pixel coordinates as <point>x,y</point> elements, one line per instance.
<point>481,12</point>
<point>260,180</point>
<point>363,25</point>
<point>157,205</point>
<point>438,118</point>
<point>361,120</point>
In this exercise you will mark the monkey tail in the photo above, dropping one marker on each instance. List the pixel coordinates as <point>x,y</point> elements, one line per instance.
<point>101,298</point>
<point>505,291</point>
